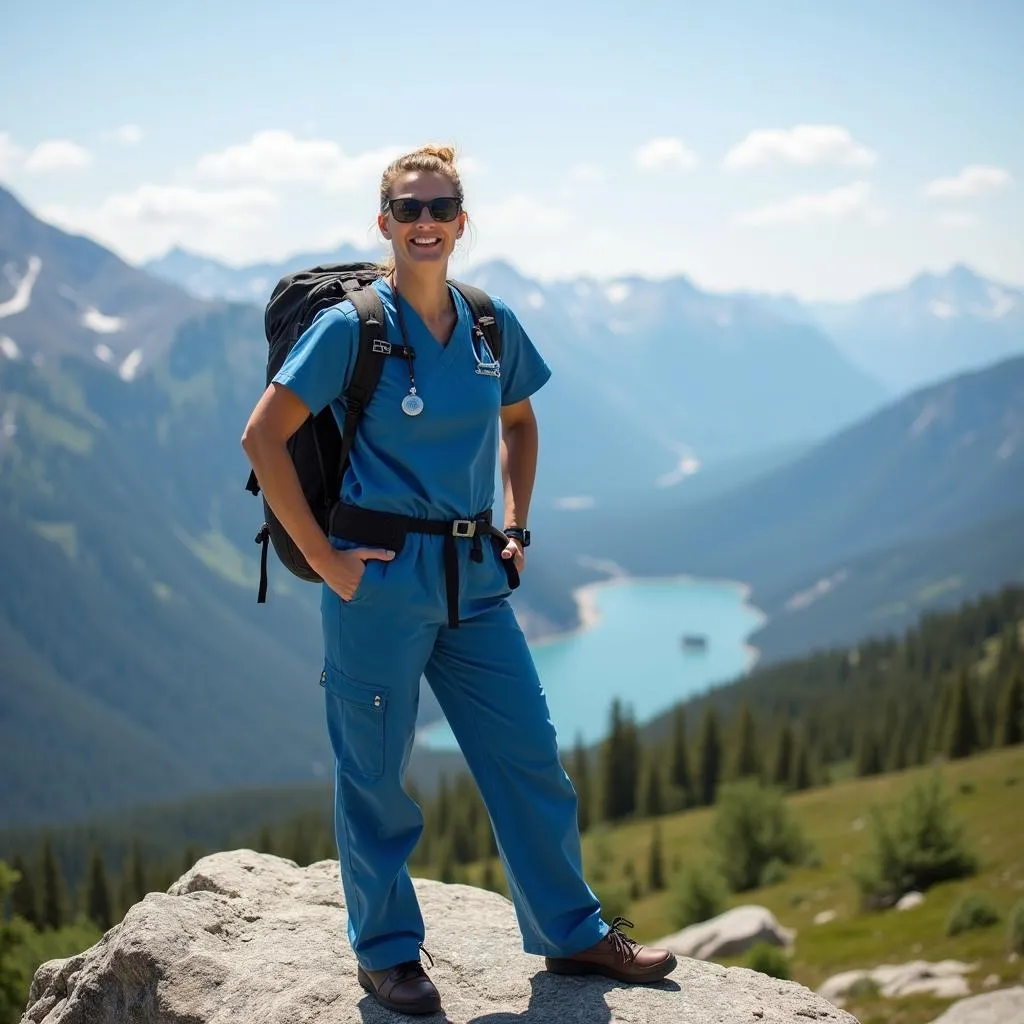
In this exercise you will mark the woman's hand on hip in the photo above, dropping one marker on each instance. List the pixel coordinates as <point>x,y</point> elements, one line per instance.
<point>513,549</point>
<point>342,571</point>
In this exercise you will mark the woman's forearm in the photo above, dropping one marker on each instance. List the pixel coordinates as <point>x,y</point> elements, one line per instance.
<point>519,447</point>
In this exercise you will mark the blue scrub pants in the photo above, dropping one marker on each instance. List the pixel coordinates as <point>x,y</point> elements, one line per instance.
<point>376,648</point>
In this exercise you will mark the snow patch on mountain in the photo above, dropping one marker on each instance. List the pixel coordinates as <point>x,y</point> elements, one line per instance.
<point>101,323</point>
<point>9,347</point>
<point>130,366</point>
<point>688,466</point>
<point>23,286</point>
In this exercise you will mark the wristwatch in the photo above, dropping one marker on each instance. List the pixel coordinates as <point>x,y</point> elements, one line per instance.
<point>521,535</point>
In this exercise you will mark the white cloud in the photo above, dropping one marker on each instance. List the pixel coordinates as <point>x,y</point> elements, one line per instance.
<point>974,180</point>
<point>845,203</point>
<point>51,155</point>
<point>521,214</point>
<point>129,134</point>
<point>57,155</point>
<point>804,145</point>
<point>586,174</point>
<point>666,153</point>
<point>956,220</point>
<point>160,204</point>
<point>10,154</point>
<point>278,157</point>
<point>152,218</point>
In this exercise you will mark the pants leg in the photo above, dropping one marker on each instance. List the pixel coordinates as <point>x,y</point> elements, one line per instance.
<point>484,679</point>
<point>375,653</point>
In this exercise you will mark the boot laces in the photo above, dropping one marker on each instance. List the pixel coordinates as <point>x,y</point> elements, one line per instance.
<point>412,968</point>
<point>624,945</point>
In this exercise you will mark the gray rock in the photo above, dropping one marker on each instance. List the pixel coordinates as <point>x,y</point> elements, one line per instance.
<point>729,934</point>
<point>245,938</point>
<point>909,901</point>
<point>944,979</point>
<point>1003,1007</point>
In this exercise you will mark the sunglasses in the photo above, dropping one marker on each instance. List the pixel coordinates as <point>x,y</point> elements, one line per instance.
<point>443,208</point>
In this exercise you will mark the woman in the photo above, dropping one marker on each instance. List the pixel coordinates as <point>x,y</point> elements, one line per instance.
<point>426,449</point>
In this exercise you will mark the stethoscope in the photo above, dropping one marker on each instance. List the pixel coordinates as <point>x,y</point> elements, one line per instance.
<point>486,364</point>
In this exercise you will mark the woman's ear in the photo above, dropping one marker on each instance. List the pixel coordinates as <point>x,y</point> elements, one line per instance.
<point>382,225</point>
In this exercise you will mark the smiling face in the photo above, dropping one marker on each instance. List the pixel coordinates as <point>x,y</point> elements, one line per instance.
<point>423,240</point>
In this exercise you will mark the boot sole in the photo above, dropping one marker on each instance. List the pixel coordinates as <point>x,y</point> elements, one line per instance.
<point>556,966</point>
<point>432,1004</point>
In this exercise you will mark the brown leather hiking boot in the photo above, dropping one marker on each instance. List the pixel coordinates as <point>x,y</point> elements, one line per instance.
<point>617,956</point>
<point>404,987</point>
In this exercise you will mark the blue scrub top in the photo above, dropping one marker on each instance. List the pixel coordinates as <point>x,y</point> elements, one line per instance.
<point>441,463</point>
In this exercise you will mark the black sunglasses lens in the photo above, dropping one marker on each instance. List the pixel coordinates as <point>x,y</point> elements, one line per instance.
<point>405,210</point>
<point>444,208</point>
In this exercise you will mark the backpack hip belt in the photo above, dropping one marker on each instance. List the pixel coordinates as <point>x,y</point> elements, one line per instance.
<point>372,528</point>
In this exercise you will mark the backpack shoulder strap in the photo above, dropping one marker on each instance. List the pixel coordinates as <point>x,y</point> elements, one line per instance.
<point>482,308</point>
<point>373,350</point>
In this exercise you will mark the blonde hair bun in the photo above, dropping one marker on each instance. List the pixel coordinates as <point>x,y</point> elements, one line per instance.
<point>446,154</point>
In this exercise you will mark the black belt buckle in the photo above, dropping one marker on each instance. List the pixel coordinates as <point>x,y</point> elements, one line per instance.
<point>463,528</point>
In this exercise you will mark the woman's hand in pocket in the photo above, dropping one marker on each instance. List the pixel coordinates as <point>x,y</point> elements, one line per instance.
<point>342,571</point>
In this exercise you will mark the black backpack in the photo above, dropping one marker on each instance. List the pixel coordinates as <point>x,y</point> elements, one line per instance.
<point>319,451</point>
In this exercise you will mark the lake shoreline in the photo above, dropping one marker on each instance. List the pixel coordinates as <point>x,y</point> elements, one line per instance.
<point>589,614</point>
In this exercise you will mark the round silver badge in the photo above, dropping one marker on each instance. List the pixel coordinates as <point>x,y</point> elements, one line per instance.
<point>412,405</point>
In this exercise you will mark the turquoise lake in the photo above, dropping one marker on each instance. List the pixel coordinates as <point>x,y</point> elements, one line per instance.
<point>633,651</point>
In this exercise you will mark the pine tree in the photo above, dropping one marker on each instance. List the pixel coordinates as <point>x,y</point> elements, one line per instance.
<point>24,898</point>
<point>133,874</point>
<point>709,758</point>
<point>620,766</point>
<point>580,774</point>
<point>265,842</point>
<point>97,894</point>
<point>680,776</point>
<point>747,762</point>
<point>655,862</point>
<point>652,803</point>
<point>1010,723</point>
<point>782,762</point>
<point>488,879</point>
<point>868,755</point>
<point>801,777</point>
<point>962,736</point>
<point>53,901</point>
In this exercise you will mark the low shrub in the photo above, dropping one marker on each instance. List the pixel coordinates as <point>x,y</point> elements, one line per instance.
<point>768,959</point>
<point>971,911</point>
<point>753,826</point>
<point>917,844</point>
<point>1015,928</point>
<point>697,894</point>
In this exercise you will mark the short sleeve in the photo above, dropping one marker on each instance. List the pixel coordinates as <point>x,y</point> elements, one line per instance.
<point>320,363</point>
<point>523,370</point>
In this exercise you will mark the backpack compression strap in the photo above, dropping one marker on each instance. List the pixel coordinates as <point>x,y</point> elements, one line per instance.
<point>374,348</point>
<point>482,308</point>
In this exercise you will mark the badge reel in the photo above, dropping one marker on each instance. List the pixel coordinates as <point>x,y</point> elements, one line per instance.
<point>486,364</point>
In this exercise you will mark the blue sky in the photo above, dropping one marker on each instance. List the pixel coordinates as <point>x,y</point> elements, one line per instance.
<point>823,149</point>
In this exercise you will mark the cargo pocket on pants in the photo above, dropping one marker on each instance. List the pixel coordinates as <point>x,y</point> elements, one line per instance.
<point>357,723</point>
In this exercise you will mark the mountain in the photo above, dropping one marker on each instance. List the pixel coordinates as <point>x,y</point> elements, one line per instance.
<point>211,279</point>
<point>672,380</point>
<point>937,326</point>
<point>63,294</point>
<point>887,590</point>
<point>943,461</point>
